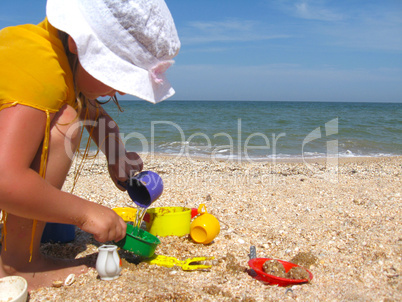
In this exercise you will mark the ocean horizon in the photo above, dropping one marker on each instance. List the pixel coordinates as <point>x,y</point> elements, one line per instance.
<point>260,130</point>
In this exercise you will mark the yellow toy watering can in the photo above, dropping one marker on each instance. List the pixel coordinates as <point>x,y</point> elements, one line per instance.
<point>205,227</point>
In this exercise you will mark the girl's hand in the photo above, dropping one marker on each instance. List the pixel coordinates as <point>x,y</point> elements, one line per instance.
<point>124,167</point>
<point>103,223</point>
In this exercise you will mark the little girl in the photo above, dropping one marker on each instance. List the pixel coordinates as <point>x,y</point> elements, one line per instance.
<point>50,78</point>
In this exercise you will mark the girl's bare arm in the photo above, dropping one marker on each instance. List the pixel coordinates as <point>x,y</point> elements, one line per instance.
<point>106,135</point>
<point>26,194</point>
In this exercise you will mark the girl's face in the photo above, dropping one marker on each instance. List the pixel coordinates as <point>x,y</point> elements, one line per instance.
<point>90,87</point>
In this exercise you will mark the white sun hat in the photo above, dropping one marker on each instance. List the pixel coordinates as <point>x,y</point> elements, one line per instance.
<point>125,44</point>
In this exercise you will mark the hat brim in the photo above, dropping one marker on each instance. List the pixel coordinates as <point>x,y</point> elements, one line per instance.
<point>99,61</point>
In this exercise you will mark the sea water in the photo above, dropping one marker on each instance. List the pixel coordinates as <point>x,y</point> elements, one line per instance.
<point>251,130</point>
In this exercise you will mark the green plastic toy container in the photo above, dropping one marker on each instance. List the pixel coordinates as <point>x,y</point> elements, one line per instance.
<point>142,244</point>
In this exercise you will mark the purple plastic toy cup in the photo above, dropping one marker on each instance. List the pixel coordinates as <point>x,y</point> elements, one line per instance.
<point>144,188</point>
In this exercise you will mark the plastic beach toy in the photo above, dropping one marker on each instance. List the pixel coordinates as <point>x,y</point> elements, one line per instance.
<point>144,188</point>
<point>189,264</point>
<point>204,228</point>
<point>129,214</point>
<point>162,221</point>
<point>142,243</point>
<point>58,232</point>
<point>13,289</point>
<point>169,221</point>
<point>257,263</point>
<point>108,263</point>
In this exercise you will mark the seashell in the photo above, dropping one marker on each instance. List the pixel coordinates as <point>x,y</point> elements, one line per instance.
<point>57,284</point>
<point>69,280</point>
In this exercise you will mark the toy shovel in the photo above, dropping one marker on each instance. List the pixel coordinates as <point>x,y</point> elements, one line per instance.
<point>189,264</point>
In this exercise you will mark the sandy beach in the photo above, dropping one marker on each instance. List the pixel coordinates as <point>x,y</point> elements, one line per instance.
<point>343,223</point>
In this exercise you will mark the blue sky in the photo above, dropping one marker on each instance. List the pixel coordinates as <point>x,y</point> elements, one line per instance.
<point>285,50</point>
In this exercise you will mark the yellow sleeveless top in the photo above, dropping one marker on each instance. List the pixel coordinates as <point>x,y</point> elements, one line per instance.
<point>34,68</point>
<point>34,72</point>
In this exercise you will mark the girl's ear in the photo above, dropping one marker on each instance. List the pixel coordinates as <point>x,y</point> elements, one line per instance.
<point>72,47</point>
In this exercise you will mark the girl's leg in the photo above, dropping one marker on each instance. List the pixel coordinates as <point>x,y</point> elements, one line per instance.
<point>42,271</point>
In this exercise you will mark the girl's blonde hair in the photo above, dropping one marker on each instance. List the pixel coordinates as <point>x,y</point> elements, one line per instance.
<point>82,103</point>
<point>73,62</point>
